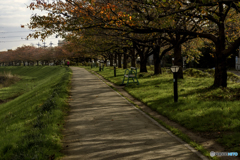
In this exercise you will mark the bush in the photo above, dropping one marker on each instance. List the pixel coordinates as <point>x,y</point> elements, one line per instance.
<point>86,64</point>
<point>233,77</point>
<point>144,75</point>
<point>210,71</point>
<point>195,73</point>
<point>150,68</point>
<point>166,70</point>
<point>230,76</point>
<point>73,63</point>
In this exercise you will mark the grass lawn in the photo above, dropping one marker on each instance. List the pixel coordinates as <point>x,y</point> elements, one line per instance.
<point>31,122</point>
<point>214,113</point>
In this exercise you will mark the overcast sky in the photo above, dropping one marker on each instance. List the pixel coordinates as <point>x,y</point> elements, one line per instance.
<point>13,13</point>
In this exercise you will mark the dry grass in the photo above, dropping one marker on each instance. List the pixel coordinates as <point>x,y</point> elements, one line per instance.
<point>7,79</point>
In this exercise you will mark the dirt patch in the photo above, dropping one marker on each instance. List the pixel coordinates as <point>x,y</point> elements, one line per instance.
<point>214,135</point>
<point>7,79</point>
<point>206,139</point>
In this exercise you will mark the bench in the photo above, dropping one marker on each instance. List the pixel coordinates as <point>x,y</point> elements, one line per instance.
<point>130,74</point>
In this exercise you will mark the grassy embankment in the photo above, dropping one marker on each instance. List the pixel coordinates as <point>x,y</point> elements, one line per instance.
<point>214,113</point>
<point>32,119</point>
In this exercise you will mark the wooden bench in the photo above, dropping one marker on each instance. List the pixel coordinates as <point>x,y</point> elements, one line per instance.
<point>130,74</point>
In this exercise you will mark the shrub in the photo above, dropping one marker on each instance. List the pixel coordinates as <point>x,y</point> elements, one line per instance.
<point>233,77</point>
<point>166,70</point>
<point>230,76</point>
<point>150,68</point>
<point>210,71</point>
<point>73,63</point>
<point>195,73</point>
<point>86,64</point>
<point>144,75</point>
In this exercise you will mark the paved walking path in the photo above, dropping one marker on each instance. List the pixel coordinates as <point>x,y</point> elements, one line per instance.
<point>104,126</point>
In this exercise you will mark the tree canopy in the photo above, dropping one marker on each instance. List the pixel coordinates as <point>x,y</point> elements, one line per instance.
<point>110,25</point>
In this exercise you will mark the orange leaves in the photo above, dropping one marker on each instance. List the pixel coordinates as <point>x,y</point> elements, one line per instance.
<point>212,54</point>
<point>120,14</point>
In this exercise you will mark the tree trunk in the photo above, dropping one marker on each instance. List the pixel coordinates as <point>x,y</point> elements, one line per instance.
<point>220,59</point>
<point>157,61</point>
<point>119,60</point>
<point>220,78</point>
<point>111,59</point>
<point>133,58</point>
<point>105,61</point>
<point>178,61</point>
<point>125,58</point>
<point>115,58</point>
<point>143,62</point>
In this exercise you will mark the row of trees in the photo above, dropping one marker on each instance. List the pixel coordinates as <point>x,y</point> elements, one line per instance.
<point>30,54</point>
<point>132,28</point>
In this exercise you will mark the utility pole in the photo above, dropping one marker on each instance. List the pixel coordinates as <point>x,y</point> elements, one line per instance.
<point>38,44</point>
<point>51,44</point>
<point>44,45</point>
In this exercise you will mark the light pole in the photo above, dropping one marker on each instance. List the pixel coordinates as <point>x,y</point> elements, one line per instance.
<point>172,61</point>
<point>175,69</point>
<point>114,64</point>
<point>101,65</point>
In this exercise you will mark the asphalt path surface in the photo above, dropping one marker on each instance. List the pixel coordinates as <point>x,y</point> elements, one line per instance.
<point>102,125</point>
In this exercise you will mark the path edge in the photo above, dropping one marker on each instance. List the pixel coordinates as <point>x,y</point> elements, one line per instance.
<point>150,118</point>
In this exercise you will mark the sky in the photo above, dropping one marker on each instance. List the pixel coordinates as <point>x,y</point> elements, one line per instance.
<point>13,14</point>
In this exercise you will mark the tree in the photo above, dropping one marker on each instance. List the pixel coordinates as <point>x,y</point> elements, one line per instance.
<point>215,20</point>
<point>219,20</point>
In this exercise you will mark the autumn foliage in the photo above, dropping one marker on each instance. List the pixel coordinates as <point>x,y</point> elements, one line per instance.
<point>31,55</point>
<point>132,28</point>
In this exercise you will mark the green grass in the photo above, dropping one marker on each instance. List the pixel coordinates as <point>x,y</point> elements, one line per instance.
<point>31,123</point>
<point>214,113</point>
